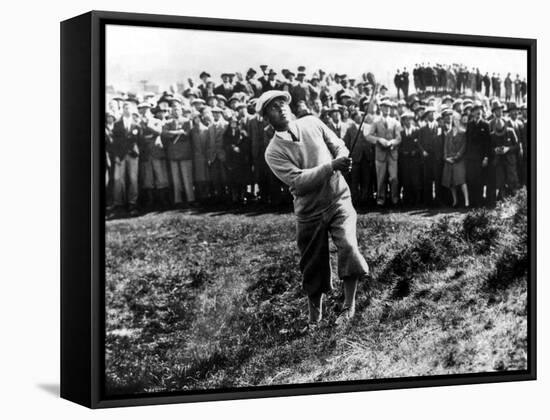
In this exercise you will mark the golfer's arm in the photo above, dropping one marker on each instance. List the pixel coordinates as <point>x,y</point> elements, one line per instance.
<point>302,181</point>
<point>336,145</point>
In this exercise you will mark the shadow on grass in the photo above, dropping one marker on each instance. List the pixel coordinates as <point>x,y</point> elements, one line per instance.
<point>258,209</point>
<point>212,210</point>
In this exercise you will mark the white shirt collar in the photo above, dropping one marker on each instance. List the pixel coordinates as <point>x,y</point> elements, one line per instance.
<point>127,121</point>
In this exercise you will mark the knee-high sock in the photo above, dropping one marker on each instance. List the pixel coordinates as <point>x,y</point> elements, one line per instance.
<point>315,307</point>
<point>350,288</point>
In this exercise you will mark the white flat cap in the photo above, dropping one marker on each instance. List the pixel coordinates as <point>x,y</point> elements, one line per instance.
<point>268,96</point>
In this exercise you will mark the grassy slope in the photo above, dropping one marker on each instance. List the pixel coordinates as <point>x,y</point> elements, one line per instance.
<point>199,301</point>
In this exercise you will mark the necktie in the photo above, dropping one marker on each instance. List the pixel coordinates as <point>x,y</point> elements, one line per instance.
<point>294,138</point>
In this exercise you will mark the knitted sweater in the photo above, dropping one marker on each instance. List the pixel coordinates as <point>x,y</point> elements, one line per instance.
<point>306,166</point>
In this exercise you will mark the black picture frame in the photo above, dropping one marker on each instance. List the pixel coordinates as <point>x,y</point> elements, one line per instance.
<point>83,218</point>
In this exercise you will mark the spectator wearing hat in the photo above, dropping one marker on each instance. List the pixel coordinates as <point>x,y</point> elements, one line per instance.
<point>221,102</point>
<point>498,83</point>
<point>241,87</point>
<point>454,169</point>
<point>254,86</point>
<point>385,134</point>
<point>479,80</point>
<point>405,82</point>
<point>472,81</point>
<point>416,77</point>
<point>289,82</point>
<point>113,106</point>
<point>497,109</point>
<point>508,88</point>
<point>163,104</point>
<point>410,161</point>
<point>418,113</point>
<point>447,100</point>
<point>523,136</point>
<point>467,108</point>
<point>204,86</point>
<point>504,145</point>
<point>487,84</point>
<point>260,133</point>
<point>393,111</point>
<point>401,107</point>
<point>362,173</point>
<point>110,119</point>
<point>216,155</point>
<point>517,89</point>
<point>152,161</point>
<point>494,85</point>
<point>199,141</point>
<point>300,91</point>
<point>518,126</point>
<point>308,157</point>
<point>431,146</point>
<point>336,124</point>
<point>523,89</point>
<point>179,152</point>
<point>263,78</point>
<point>225,89</point>
<point>125,149</point>
<point>451,79</point>
<point>314,89</point>
<point>271,83</point>
<point>478,143</point>
<point>345,93</point>
<point>189,94</point>
<point>234,101</point>
<point>197,104</point>
<point>236,145</point>
<point>397,81</point>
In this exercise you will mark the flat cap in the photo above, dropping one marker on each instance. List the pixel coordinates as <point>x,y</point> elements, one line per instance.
<point>446,111</point>
<point>428,109</point>
<point>268,96</point>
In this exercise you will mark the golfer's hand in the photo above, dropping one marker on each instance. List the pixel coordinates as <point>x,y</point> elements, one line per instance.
<point>342,164</point>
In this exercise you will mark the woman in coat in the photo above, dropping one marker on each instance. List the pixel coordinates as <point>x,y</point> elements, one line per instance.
<point>454,169</point>
<point>237,150</point>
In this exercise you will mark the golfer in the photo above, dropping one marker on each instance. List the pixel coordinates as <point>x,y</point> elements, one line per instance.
<point>307,156</point>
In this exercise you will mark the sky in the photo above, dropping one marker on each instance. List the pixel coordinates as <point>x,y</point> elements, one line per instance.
<point>165,56</point>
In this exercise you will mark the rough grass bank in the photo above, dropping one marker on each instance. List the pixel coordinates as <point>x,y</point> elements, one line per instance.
<point>208,300</point>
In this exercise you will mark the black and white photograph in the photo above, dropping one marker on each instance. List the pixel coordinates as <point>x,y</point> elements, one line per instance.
<point>289,209</point>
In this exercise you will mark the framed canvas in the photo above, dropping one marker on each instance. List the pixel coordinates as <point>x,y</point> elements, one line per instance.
<point>257,209</point>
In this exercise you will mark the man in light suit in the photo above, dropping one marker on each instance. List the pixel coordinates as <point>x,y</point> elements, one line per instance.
<point>385,134</point>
